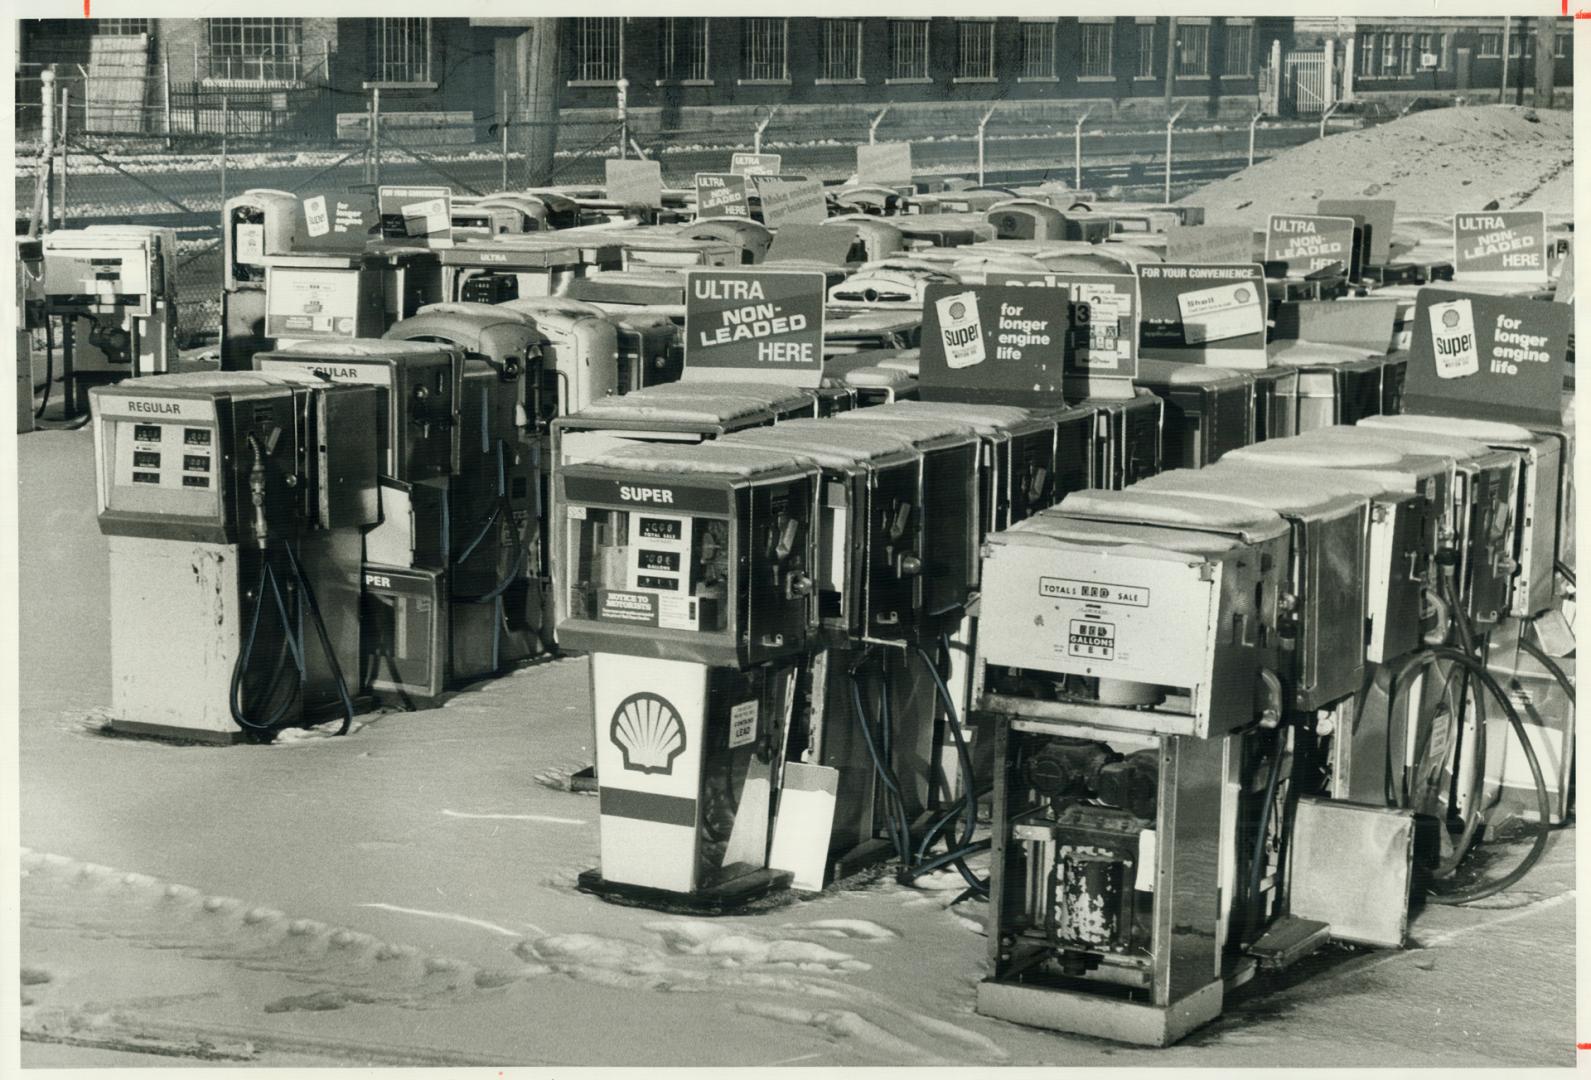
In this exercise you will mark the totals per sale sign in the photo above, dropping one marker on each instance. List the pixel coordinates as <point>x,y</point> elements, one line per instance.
<point>765,325</point>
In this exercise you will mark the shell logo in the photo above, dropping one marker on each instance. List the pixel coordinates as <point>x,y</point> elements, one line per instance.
<point>1242,296</point>
<point>1450,318</point>
<point>648,732</point>
<point>958,310</point>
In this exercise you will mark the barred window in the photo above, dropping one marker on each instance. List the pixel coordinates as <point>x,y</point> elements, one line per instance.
<point>599,50</point>
<point>908,48</point>
<point>1038,50</point>
<point>1146,50</point>
<point>1367,54</point>
<point>263,49</point>
<point>765,52</point>
<point>1560,45</point>
<point>1407,59</point>
<point>1239,49</point>
<point>975,50</point>
<point>120,27</point>
<point>685,49</point>
<point>1193,51</point>
<point>842,49</point>
<point>403,51</point>
<point>1094,49</point>
<point>1522,41</point>
<point>1491,45</point>
<point>1389,54</point>
<point>1429,45</point>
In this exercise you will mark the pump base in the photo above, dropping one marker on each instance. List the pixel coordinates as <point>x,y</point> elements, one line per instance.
<point>173,733</point>
<point>727,899</point>
<point>1098,1015</point>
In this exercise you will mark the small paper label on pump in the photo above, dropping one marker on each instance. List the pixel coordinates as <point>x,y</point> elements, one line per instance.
<point>742,724</point>
<point>960,330</point>
<point>1453,340</point>
<point>1225,311</point>
<point>250,244</point>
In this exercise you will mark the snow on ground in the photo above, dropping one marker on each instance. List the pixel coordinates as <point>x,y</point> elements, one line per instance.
<point>1439,162</point>
<point>404,895</point>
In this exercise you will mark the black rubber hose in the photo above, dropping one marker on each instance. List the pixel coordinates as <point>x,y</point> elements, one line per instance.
<point>901,848</point>
<point>1566,571</point>
<point>49,368</point>
<point>1257,857</point>
<point>325,640</point>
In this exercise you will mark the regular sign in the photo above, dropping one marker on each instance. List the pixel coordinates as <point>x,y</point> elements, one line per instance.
<point>634,183</point>
<point>997,344</point>
<point>416,213</point>
<point>765,325</point>
<point>1500,245</point>
<point>790,200</point>
<point>884,163</point>
<point>721,195</point>
<point>1305,243</point>
<point>755,164</point>
<point>1203,314</point>
<point>1103,338</point>
<point>1489,357</point>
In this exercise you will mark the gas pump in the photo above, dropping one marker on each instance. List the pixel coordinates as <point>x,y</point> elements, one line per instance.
<point>1129,442</point>
<point>507,269</point>
<point>30,317</point>
<point>114,291</point>
<point>408,554</point>
<point>580,357</point>
<point>233,503</point>
<point>1127,758</point>
<point>336,296</point>
<point>254,225</point>
<point>890,284</point>
<point>469,218</point>
<point>690,582</point>
<point>1029,219</point>
<point>1337,384</point>
<point>1208,411</point>
<point>651,345</point>
<point>497,574</point>
<point>752,237</point>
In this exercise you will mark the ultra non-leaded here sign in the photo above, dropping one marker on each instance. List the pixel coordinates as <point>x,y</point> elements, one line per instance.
<point>1305,243</point>
<point>721,195</point>
<point>1203,314</point>
<point>1489,357</point>
<point>997,344</point>
<point>755,164</point>
<point>765,325</point>
<point>1500,245</point>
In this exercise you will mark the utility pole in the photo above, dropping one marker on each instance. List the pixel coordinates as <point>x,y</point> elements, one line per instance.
<point>540,59</point>
<point>1546,60</point>
<point>1502,90</point>
<point>1171,61</point>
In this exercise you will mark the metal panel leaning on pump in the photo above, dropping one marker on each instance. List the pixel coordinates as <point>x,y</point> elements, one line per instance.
<point>1129,758</point>
<point>260,485</point>
<point>689,580</point>
<point>500,603</point>
<point>896,564</point>
<point>113,292</point>
<point>407,555</point>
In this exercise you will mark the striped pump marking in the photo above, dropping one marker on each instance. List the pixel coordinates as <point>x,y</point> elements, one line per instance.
<point>648,806</point>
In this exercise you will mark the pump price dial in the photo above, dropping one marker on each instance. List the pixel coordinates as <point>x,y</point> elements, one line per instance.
<point>658,560</point>
<point>659,529</point>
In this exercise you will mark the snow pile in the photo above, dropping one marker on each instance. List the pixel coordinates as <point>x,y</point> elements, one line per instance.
<point>1441,161</point>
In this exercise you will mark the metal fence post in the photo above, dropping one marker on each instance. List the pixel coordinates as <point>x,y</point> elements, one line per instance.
<point>1251,125</point>
<point>375,135</point>
<point>1077,148</point>
<point>47,137</point>
<point>165,96</point>
<point>756,139</point>
<point>872,128</point>
<point>623,87</point>
<point>1326,116</point>
<point>981,125</point>
<point>1171,123</point>
<point>226,130</point>
<point>502,128</point>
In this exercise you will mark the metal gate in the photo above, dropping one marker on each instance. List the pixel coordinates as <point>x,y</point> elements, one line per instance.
<point>1305,83</point>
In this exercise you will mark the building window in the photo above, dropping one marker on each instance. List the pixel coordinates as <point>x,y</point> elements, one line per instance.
<point>1430,46</point>
<point>1093,50</point>
<point>1522,41</point>
<point>1146,50</point>
<point>403,51</point>
<point>120,27</point>
<point>908,49</point>
<point>1407,61</point>
<point>1239,49</point>
<point>599,50</point>
<point>1491,46</point>
<point>1038,50</point>
<point>1389,54</point>
<point>975,50</point>
<point>1193,52</point>
<point>1560,45</point>
<point>685,50</point>
<point>1367,55</point>
<point>257,49</point>
<point>842,50</point>
<point>765,52</point>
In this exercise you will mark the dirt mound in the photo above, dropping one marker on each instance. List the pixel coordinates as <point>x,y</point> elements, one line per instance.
<point>1436,162</point>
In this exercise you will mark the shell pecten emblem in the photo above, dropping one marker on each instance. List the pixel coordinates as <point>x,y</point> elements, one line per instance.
<point>648,732</point>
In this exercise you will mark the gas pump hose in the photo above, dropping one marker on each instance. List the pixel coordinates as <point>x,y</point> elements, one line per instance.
<point>967,804</point>
<point>501,510</point>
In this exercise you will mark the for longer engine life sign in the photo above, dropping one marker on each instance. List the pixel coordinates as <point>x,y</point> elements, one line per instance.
<point>765,325</point>
<point>1305,243</point>
<point>1488,357</point>
<point>1501,245</point>
<point>721,195</point>
<point>1102,342</point>
<point>995,344</point>
<point>1203,314</point>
